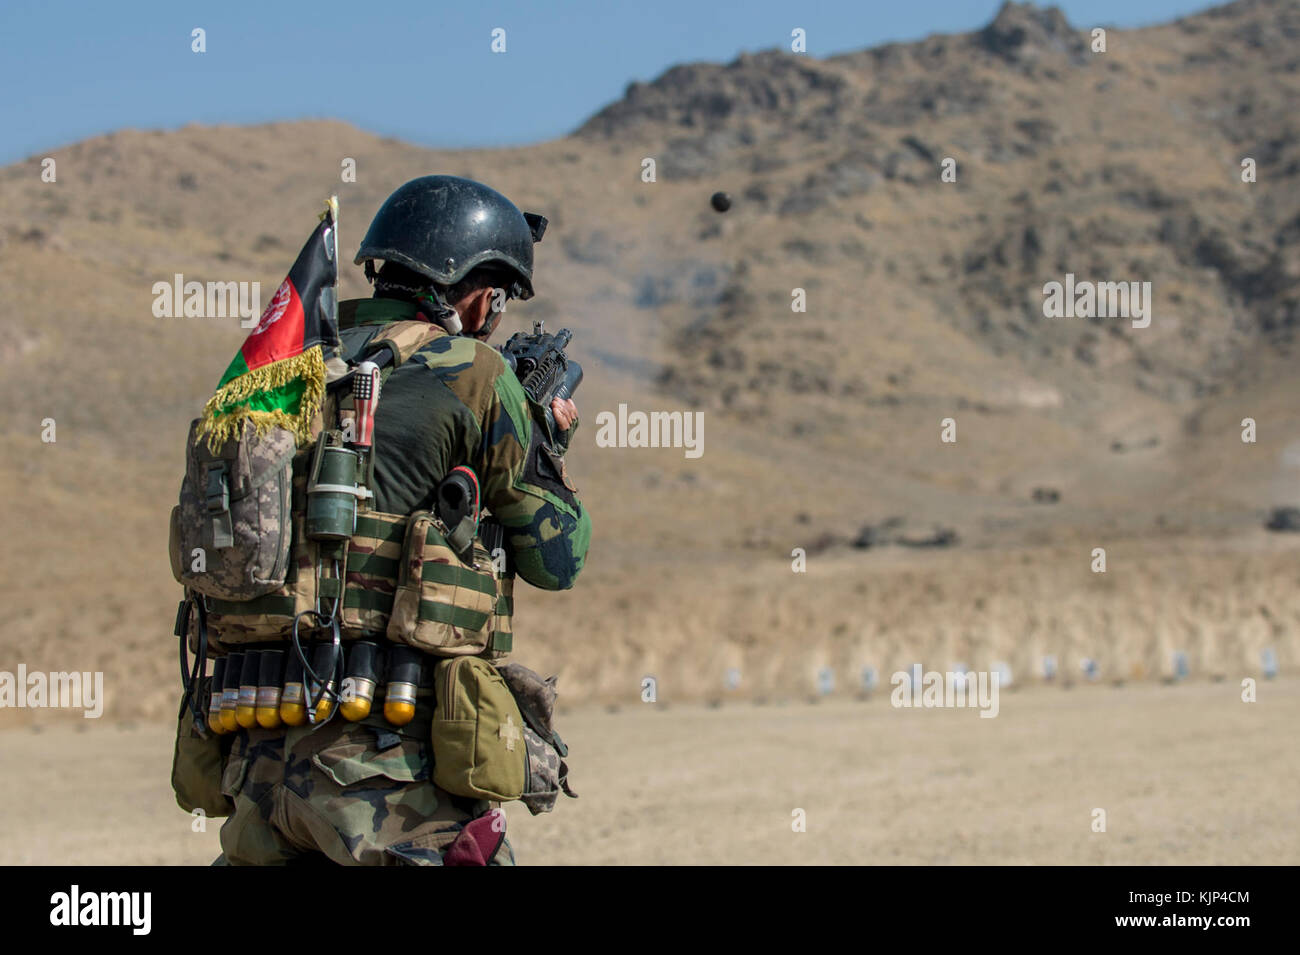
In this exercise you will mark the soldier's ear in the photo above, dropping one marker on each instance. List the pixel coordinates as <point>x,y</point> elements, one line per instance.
<point>481,303</point>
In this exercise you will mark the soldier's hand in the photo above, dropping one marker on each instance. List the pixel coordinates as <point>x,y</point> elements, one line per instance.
<point>565,412</point>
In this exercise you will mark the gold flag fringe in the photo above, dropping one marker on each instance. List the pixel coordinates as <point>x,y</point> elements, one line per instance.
<point>220,425</point>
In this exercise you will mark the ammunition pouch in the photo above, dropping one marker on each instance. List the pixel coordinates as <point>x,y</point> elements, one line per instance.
<point>401,582</point>
<point>444,605</point>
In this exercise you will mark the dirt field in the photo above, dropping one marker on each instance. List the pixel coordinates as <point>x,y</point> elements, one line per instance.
<point>1187,774</point>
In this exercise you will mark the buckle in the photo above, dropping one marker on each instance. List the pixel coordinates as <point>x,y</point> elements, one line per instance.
<point>217,494</point>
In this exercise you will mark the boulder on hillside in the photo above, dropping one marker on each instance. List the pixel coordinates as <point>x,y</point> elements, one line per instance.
<point>1284,519</point>
<point>1022,33</point>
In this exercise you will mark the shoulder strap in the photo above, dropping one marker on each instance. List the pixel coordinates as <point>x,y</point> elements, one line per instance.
<point>403,339</point>
<point>396,343</point>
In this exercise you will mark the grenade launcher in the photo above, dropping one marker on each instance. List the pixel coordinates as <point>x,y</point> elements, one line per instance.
<point>546,372</point>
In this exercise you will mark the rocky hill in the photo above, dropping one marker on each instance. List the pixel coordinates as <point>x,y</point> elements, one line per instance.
<point>924,301</point>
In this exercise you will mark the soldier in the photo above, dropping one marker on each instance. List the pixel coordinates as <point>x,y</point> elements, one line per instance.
<point>453,251</point>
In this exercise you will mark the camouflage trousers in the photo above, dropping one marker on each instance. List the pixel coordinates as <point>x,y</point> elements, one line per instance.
<point>348,793</point>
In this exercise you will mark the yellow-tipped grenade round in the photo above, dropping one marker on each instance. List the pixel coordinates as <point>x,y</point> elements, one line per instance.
<point>293,708</point>
<point>269,675</point>
<point>403,679</point>
<point>356,710</point>
<point>399,711</point>
<point>358,692</point>
<point>322,661</point>
<point>293,714</point>
<point>216,688</point>
<point>230,691</point>
<point>246,701</point>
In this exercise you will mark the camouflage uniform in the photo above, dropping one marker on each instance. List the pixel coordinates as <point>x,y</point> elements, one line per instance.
<point>361,793</point>
<point>352,793</point>
<point>457,402</point>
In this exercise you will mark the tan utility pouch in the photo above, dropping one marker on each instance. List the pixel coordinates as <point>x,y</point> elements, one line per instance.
<point>442,606</point>
<point>478,744</point>
<point>197,765</point>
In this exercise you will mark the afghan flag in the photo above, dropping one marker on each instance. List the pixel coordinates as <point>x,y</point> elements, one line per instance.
<point>278,377</point>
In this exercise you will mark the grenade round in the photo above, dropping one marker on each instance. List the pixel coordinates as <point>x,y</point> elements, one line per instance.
<point>269,675</point>
<point>216,688</point>
<point>323,662</point>
<point>403,679</point>
<point>246,701</point>
<point>293,707</point>
<point>230,691</point>
<point>359,683</point>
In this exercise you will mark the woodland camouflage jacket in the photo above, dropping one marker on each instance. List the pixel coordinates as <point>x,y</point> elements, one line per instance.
<point>457,402</point>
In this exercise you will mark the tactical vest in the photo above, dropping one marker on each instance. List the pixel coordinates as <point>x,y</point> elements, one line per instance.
<point>240,544</point>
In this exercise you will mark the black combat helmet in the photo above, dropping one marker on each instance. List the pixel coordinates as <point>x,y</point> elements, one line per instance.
<point>444,226</point>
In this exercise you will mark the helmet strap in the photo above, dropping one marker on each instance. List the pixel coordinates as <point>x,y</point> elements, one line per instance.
<point>439,312</point>
<point>429,299</point>
<point>488,327</point>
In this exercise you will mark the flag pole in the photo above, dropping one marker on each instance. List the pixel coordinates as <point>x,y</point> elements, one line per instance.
<point>332,210</point>
<point>332,213</point>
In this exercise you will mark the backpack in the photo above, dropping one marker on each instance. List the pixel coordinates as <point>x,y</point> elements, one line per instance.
<point>240,541</point>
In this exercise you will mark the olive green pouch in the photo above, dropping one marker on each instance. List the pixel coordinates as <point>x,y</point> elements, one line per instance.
<point>197,765</point>
<point>477,735</point>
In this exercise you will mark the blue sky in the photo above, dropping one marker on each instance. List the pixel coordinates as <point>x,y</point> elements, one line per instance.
<point>419,71</point>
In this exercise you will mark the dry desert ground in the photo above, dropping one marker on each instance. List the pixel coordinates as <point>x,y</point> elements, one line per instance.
<point>1187,774</point>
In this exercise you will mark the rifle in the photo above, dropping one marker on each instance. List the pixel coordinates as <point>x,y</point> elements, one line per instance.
<point>546,372</point>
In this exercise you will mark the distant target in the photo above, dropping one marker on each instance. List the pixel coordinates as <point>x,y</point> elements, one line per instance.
<point>720,201</point>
